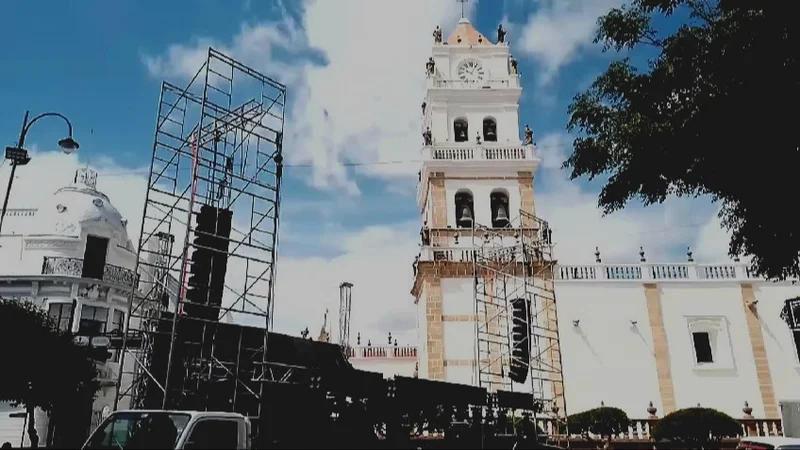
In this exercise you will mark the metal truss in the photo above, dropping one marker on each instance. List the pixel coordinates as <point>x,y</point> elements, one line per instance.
<point>515,262</point>
<point>218,142</point>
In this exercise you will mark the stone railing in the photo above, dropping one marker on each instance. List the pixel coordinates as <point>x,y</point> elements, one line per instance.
<point>491,151</point>
<point>387,351</point>
<point>73,267</point>
<point>439,83</point>
<point>654,272</point>
<point>639,429</point>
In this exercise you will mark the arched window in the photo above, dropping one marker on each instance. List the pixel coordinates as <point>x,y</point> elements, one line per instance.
<point>465,212</point>
<point>460,130</point>
<point>489,130</point>
<point>498,201</point>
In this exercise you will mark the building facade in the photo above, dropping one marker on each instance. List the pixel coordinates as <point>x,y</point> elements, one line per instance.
<point>676,335</point>
<point>72,257</point>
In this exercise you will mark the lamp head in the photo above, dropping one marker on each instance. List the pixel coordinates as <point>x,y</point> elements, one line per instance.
<point>68,145</point>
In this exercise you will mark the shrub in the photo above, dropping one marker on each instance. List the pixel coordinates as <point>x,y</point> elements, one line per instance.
<point>604,421</point>
<point>696,426</point>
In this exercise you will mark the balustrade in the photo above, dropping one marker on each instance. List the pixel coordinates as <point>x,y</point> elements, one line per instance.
<point>439,83</point>
<point>653,272</point>
<point>387,351</point>
<point>479,152</point>
<point>73,267</point>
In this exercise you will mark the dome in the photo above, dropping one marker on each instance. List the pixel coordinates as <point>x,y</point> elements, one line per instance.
<point>81,205</point>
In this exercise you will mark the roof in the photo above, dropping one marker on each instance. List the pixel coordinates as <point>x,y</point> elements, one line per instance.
<point>776,441</point>
<point>466,34</point>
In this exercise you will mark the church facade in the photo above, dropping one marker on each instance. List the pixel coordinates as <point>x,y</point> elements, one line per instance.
<point>647,338</point>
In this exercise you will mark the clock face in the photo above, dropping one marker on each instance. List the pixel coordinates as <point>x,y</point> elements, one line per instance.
<point>470,71</point>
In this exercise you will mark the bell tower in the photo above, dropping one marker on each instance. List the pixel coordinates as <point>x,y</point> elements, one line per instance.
<point>483,278</point>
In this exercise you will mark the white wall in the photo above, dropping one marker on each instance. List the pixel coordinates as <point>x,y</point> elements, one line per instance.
<point>605,358</point>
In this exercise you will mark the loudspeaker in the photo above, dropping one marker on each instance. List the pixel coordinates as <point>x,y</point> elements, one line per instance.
<point>206,283</point>
<point>520,337</point>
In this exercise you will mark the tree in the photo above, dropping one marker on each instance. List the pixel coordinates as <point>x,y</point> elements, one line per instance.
<point>697,426</point>
<point>703,119</point>
<point>604,421</point>
<point>42,366</point>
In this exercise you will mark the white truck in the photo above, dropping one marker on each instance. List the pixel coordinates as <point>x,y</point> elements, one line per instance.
<point>158,429</point>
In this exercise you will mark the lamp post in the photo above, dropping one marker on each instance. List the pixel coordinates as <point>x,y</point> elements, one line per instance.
<point>19,156</point>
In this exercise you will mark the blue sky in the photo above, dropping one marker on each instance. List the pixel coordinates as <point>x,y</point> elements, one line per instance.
<point>359,63</point>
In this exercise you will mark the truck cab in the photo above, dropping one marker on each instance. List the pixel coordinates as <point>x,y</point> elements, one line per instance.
<point>158,429</point>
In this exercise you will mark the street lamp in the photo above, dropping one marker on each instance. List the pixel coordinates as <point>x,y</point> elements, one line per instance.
<point>19,156</point>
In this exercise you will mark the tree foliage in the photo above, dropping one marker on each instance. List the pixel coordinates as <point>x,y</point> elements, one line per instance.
<point>705,117</point>
<point>696,426</point>
<point>42,366</point>
<point>605,421</point>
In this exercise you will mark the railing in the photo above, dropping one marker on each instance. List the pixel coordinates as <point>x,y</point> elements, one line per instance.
<point>382,352</point>
<point>487,151</point>
<point>438,83</point>
<point>639,429</point>
<point>654,272</point>
<point>73,267</point>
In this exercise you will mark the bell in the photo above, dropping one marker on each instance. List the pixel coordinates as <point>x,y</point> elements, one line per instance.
<point>490,136</point>
<point>466,217</point>
<point>463,135</point>
<point>501,219</point>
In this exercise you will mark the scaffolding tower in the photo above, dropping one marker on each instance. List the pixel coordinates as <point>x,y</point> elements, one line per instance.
<point>514,264</point>
<point>217,155</point>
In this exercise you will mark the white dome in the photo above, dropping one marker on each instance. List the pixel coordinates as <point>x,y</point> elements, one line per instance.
<point>81,205</point>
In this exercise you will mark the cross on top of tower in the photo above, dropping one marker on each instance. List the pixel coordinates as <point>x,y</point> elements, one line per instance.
<point>463,4</point>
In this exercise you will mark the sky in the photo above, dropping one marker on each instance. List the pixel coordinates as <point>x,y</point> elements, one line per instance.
<point>355,80</point>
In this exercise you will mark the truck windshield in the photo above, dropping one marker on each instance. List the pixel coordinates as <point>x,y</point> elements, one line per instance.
<point>139,430</point>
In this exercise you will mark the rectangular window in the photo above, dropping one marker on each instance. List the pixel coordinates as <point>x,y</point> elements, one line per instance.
<point>213,434</point>
<point>118,321</point>
<point>94,257</point>
<point>796,335</point>
<point>61,314</point>
<point>702,348</point>
<point>94,320</point>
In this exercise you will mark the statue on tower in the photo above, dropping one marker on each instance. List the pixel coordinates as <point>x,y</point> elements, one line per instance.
<point>430,66</point>
<point>478,138</point>
<point>501,34</point>
<point>528,135</point>
<point>513,63</point>
<point>427,136</point>
<point>424,105</point>
<point>437,35</point>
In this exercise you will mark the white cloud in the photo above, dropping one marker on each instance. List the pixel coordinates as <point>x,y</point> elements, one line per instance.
<point>363,105</point>
<point>558,30</point>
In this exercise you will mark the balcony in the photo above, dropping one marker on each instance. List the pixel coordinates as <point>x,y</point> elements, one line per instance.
<point>488,151</point>
<point>382,352</point>
<point>655,272</point>
<point>73,267</point>
<point>438,83</point>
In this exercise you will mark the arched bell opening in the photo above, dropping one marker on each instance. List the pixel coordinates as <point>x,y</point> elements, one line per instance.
<point>489,130</point>
<point>461,130</point>
<point>465,212</point>
<point>498,201</point>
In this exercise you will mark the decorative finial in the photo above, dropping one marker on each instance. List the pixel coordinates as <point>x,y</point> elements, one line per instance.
<point>369,342</point>
<point>689,254</point>
<point>395,342</point>
<point>86,177</point>
<point>748,411</point>
<point>602,404</point>
<point>358,338</point>
<point>597,255</point>
<point>652,410</point>
<point>463,4</point>
<point>641,255</point>
<point>390,338</point>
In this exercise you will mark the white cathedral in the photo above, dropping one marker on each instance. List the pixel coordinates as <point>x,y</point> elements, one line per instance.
<point>648,338</point>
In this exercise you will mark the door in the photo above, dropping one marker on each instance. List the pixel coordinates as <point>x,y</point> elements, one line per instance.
<point>94,257</point>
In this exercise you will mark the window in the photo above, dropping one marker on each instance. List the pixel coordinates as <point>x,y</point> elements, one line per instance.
<point>94,257</point>
<point>214,434</point>
<point>796,335</point>
<point>118,321</point>
<point>94,320</point>
<point>465,212</point>
<point>702,348</point>
<point>460,130</point>
<point>61,314</point>
<point>710,343</point>
<point>489,130</point>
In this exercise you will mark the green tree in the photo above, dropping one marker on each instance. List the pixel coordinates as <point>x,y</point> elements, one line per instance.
<point>696,426</point>
<point>705,117</point>
<point>604,421</point>
<point>42,366</point>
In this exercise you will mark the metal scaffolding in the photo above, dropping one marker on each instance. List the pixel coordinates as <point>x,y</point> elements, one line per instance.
<point>510,263</point>
<point>218,147</point>
<point>345,306</point>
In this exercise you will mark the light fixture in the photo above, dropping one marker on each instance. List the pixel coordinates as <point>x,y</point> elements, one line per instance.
<point>576,322</point>
<point>69,145</point>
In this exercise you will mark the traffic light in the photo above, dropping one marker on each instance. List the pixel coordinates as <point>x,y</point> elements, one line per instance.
<point>206,282</point>
<point>520,337</point>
